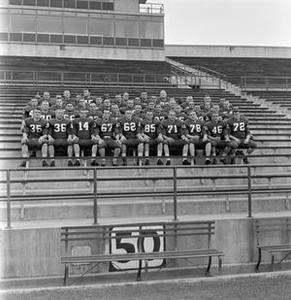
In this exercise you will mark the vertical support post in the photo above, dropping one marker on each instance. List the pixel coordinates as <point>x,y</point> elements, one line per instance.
<point>249,192</point>
<point>175,193</point>
<point>8,200</point>
<point>95,194</point>
<point>62,78</point>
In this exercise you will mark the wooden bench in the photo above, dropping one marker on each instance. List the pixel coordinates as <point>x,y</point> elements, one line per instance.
<point>138,246</point>
<point>265,227</point>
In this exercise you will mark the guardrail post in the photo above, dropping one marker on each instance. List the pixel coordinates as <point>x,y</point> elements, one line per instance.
<point>175,193</point>
<point>8,200</point>
<point>95,212</point>
<point>249,192</point>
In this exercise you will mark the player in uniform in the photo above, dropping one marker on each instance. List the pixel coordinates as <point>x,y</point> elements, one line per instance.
<point>152,136</point>
<point>106,132</point>
<point>195,132</point>
<point>217,134</point>
<point>173,135</point>
<point>46,112</point>
<point>83,137</point>
<point>34,136</point>
<point>240,135</point>
<point>129,135</point>
<point>60,136</point>
<point>70,113</point>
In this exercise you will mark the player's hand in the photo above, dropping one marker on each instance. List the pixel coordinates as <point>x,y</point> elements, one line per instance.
<point>140,138</point>
<point>160,139</point>
<point>122,139</point>
<point>146,138</point>
<point>246,141</point>
<point>50,139</point>
<point>205,139</point>
<point>186,140</point>
<point>24,140</point>
<point>42,140</point>
<point>95,139</point>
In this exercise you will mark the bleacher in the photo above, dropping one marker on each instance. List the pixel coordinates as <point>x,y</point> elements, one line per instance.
<point>48,199</point>
<point>237,67</point>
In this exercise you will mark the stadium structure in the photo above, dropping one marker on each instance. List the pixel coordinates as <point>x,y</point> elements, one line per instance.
<point>111,47</point>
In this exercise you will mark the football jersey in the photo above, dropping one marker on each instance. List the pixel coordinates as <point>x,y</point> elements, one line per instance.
<point>47,115</point>
<point>83,128</point>
<point>35,129</point>
<point>172,129</point>
<point>129,128</point>
<point>160,116</point>
<point>71,115</point>
<point>95,115</point>
<point>27,112</point>
<point>194,127</point>
<point>216,130</point>
<point>238,129</point>
<point>60,129</point>
<point>182,116</point>
<point>106,128</point>
<point>151,128</point>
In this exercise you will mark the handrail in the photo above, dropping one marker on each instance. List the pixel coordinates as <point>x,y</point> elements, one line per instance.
<point>93,175</point>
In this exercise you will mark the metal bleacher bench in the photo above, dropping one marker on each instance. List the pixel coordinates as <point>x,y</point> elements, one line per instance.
<point>140,243</point>
<point>273,230</point>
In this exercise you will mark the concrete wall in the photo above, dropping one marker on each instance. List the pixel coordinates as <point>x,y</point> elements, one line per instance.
<point>82,52</point>
<point>128,6</point>
<point>227,51</point>
<point>36,252</point>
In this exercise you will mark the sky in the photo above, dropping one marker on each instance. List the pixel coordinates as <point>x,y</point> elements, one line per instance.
<point>227,22</point>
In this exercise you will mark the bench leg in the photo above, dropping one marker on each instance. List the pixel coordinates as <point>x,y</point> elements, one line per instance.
<point>259,260</point>
<point>207,273</point>
<point>219,265</point>
<point>139,271</point>
<point>146,269</point>
<point>66,276</point>
<point>272,262</point>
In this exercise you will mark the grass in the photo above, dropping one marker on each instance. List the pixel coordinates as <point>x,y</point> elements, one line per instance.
<point>266,286</point>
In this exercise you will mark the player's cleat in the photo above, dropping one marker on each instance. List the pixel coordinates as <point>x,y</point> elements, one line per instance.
<point>214,162</point>
<point>246,161</point>
<point>147,162</point>
<point>208,161</point>
<point>114,164</point>
<point>124,162</point>
<point>160,162</point>
<point>52,164</point>
<point>186,162</point>
<point>70,164</point>
<point>168,163</point>
<point>77,163</point>
<point>94,163</point>
<point>23,164</point>
<point>45,164</point>
<point>223,160</point>
<point>232,161</point>
<point>103,164</point>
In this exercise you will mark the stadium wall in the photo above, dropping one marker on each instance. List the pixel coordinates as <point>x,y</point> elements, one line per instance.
<point>227,51</point>
<point>36,252</point>
<point>82,52</point>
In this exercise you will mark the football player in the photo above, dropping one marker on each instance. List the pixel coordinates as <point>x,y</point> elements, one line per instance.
<point>34,136</point>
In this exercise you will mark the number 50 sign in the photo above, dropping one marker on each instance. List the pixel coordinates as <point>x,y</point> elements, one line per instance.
<point>138,240</point>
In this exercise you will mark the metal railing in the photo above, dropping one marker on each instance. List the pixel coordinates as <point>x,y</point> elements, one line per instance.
<point>170,187</point>
<point>152,8</point>
<point>63,78</point>
<point>264,83</point>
